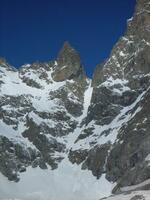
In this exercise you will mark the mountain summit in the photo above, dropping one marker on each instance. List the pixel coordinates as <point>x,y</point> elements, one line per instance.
<point>68,64</point>
<point>64,136</point>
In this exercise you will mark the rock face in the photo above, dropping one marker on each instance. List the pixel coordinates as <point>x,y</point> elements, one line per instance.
<point>68,64</point>
<point>118,83</point>
<point>36,110</point>
<point>51,112</point>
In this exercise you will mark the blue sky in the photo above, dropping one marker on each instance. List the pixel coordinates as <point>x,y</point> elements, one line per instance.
<point>34,30</point>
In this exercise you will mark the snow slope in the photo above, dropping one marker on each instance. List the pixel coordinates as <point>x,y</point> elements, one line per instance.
<point>137,195</point>
<point>68,182</point>
<point>68,179</point>
<point>35,183</point>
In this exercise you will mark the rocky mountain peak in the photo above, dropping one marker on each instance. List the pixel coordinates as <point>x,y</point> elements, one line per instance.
<point>141,4</point>
<point>65,52</point>
<point>68,64</point>
<point>138,25</point>
<point>5,65</point>
<point>66,46</point>
<point>130,55</point>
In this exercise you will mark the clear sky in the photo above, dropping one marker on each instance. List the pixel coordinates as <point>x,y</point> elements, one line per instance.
<point>34,30</point>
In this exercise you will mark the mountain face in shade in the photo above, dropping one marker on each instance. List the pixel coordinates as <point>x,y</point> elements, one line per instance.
<point>64,136</point>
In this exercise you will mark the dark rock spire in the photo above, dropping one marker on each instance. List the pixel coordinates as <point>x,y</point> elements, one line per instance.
<point>68,63</point>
